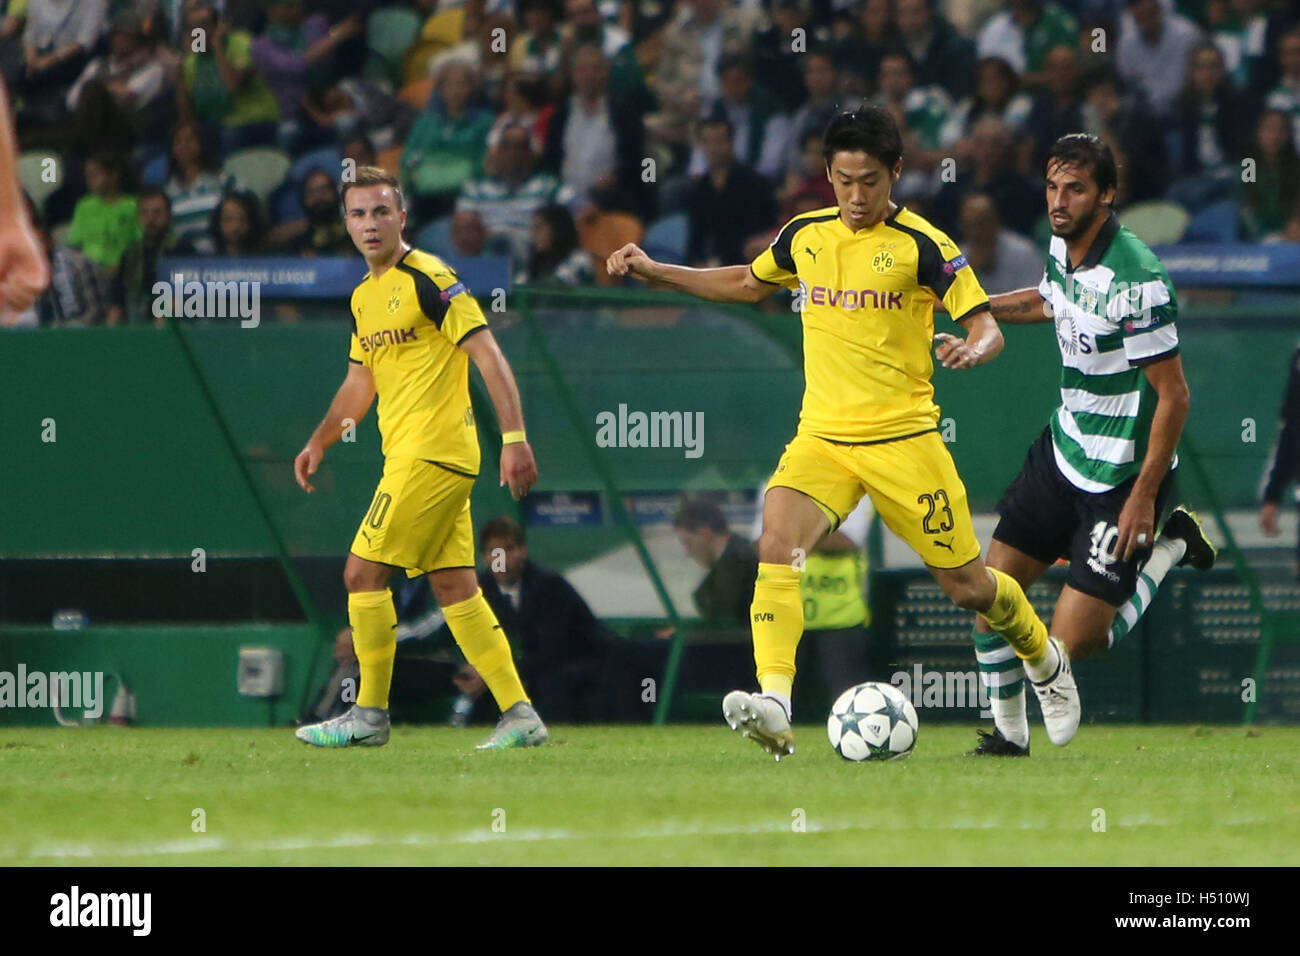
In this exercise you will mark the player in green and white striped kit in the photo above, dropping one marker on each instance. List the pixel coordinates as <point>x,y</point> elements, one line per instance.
<point>1095,485</point>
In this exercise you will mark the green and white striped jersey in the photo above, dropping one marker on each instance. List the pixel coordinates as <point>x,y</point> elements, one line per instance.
<point>1114,314</point>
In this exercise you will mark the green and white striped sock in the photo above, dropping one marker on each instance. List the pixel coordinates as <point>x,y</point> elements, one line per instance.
<point>1164,555</point>
<point>1003,675</point>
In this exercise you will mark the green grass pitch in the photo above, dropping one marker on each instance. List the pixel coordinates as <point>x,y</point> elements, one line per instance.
<point>643,795</point>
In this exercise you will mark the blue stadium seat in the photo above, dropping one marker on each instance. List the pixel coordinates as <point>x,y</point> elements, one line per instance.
<point>154,171</point>
<point>327,158</point>
<point>666,238</point>
<point>435,237</point>
<point>284,203</point>
<point>1214,223</point>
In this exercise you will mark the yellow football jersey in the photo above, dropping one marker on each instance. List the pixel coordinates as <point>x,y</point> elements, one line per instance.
<point>405,329</point>
<point>868,318</point>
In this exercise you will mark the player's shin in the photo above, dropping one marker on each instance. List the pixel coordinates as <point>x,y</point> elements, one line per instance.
<point>1004,678</point>
<point>776,616</point>
<point>374,637</point>
<point>1014,618</point>
<point>1166,553</point>
<point>484,645</point>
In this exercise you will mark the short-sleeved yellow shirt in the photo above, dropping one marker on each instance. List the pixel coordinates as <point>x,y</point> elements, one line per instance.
<point>868,318</point>
<point>406,326</point>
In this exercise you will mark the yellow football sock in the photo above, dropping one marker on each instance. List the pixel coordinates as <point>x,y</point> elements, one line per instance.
<point>776,617</point>
<point>1014,618</point>
<point>374,635</point>
<point>484,645</point>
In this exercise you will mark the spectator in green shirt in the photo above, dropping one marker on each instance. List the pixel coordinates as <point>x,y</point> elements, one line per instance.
<point>105,221</point>
<point>447,143</point>
<point>221,85</point>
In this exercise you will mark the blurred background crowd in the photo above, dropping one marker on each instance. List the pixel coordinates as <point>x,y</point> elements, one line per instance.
<point>551,131</point>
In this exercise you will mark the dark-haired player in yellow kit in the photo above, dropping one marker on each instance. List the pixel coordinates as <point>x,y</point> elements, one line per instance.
<point>868,273</point>
<point>415,327</point>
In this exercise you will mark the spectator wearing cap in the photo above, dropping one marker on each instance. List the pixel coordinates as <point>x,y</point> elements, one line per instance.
<point>1154,54</point>
<point>132,75</point>
<point>940,55</point>
<point>220,84</point>
<point>507,196</point>
<point>1023,34</point>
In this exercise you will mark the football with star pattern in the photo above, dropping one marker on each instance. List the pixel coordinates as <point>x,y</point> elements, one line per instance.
<point>872,721</point>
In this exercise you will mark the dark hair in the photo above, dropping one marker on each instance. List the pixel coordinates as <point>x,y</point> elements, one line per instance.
<point>1101,75</point>
<point>502,526</point>
<point>116,163</point>
<point>736,60</point>
<point>153,192</point>
<point>717,118</point>
<point>252,209</point>
<point>867,129</point>
<point>316,171</point>
<point>564,239</point>
<point>209,147</point>
<point>698,513</point>
<point>1087,152</point>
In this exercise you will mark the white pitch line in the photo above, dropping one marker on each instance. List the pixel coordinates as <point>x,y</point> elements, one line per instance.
<point>215,844</point>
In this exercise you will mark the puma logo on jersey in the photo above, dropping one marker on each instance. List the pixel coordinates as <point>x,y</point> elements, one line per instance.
<point>811,253</point>
<point>943,544</point>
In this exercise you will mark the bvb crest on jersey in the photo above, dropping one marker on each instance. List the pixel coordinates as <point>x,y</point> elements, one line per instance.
<point>394,303</point>
<point>883,261</point>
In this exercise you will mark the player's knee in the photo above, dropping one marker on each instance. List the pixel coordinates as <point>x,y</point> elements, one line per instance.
<point>453,589</point>
<point>777,548</point>
<point>360,577</point>
<point>968,592</point>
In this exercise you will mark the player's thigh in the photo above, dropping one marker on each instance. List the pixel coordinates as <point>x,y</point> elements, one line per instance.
<point>416,508</point>
<point>920,497</point>
<point>1083,622</point>
<point>811,492</point>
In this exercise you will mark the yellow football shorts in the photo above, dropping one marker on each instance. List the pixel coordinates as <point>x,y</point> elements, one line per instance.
<point>912,482</point>
<point>418,519</point>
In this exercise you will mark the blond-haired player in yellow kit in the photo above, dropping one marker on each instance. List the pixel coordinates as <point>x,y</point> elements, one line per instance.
<point>868,273</point>
<point>414,328</point>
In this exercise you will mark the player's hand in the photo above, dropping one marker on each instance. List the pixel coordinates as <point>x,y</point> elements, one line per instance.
<point>24,272</point>
<point>1137,526</point>
<point>631,260</point>
<point>1268,520</point>
<point>518,468</point>
<point>305,465</point>
<point>954,352</point>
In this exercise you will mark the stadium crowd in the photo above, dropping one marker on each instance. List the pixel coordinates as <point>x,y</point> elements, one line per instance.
<point>551,131</point>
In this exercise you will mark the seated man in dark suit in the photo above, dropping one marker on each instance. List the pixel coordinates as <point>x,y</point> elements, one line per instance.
<point>559,646</point>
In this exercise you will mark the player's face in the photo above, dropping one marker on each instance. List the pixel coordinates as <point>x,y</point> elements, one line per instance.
<point>1073,200</point>
<point>375,221</point>
<point>862,185</point>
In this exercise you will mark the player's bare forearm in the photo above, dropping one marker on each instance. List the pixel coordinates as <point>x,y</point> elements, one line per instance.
<point>983,342</point>
<point>1172,405</point>
<point>350,404</point>
<point>1022,307</point>
<point>482,347</point>
<point>723,284</point>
